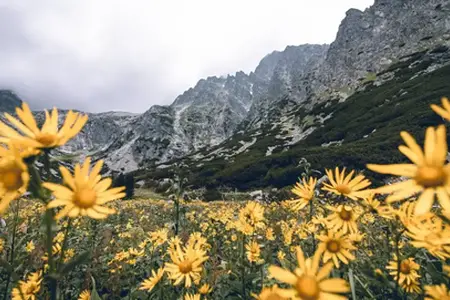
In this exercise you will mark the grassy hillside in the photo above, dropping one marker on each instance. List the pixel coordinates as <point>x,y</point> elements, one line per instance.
<point>367,125</point>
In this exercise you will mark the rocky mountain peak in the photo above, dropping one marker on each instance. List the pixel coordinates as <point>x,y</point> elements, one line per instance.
<point>9,101</point>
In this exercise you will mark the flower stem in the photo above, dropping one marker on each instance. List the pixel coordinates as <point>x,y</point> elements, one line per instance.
<point>243,266</point>
<point>13,245</point>
<point>64,245</point>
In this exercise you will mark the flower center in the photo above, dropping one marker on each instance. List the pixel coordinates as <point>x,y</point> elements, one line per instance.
<point>405,268</point>
<point>47,139</point>
<point>85,198</point>
<point>428,176</point>
<point>307,288</point>
<point>343,189</point>
<point>333,246</point>
<point>12,179</point>
<point>185,266</point>
<point>345,214</point>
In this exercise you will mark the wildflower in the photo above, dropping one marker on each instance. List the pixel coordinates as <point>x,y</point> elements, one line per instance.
<point>443,111</point>
<point>14,176</point>
<point>269,234</point>
<point>305,192</point>
<point>446,269</point>
<point>437,292</point>
<point>270,293</point>
<point>49,136</point>
<point>413,287</point>
<point>85,295</point>
<point>205,289</point>
<point>308,282</point>
<point>153,280</point>
<point>192,297</point>
<point>408,270</point>
<point>345,185</point>
<point>432,235</point>
<point>2,245</point>
<point>251,217</point>
<point>344,218</point>
<point>253,251</point>
<point>336,247</point>
<point>281,255</point>
<point>186,265</point>
<point>85,194</point>
<point>427,174</point>
<point>30,246</point>
<point>233,237</point>
<point>28,288</point>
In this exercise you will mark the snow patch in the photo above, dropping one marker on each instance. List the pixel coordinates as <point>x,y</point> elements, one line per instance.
<point>270,150</point>
<point>338,143</point>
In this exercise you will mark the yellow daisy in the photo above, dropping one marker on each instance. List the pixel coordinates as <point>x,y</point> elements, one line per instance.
<point>346,185</point>
<point>336,247</point>
<point>269,234</point>
<point>49,136</point>
<point>308,282</point>
<point>85,295</point>
<point>153,280</point>
<point>437,292</point>
<point>14,176</point>
<point>443,111</point>
<point>428,174</point>
<point>85,192</point>
<point>344,218</point>
<point>192,297</point>
<point>408,270</point>
<point>270,293</point>
<point>305,193</point>
<point>253,251</point>
<point>29,288</point>
<point>205,289</point>
<point>186,265</point>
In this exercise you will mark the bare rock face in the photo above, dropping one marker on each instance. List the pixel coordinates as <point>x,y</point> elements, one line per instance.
<point>9,101</point>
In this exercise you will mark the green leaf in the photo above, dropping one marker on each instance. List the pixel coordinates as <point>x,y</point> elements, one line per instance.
<point>94,294</point>
<point>77,260</point>
<point>5,265</point>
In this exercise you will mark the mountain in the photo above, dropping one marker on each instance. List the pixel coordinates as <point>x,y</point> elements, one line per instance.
<point>9,101</point>
<point>333,104</point>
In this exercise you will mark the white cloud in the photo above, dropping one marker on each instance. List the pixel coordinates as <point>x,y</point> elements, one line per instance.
<point>128,55</point>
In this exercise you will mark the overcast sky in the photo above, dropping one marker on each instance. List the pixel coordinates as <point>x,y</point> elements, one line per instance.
<point>102,55</point>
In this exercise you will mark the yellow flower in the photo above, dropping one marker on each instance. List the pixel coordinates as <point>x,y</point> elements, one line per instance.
<point>437,292</point>
<point>443,111</point>
<point>14,176</point>
<point>251,217</point>
<point>253,251</point>
<point>29,288</point>
<point>192,297</point>
<point>85,193</point>
<point>49,136</point>
<point>233,237</point>
<point>270,293</point>
<point>446,269</point>
<point>433,235</point>
<point>336,247</point>
<point>205,289</point>
<point>186,265</point>
<point>308,282</point>
<point>344,218</point>
<point>413,287</point>
<point>281,255</point>
<point>152,281</point>
<point>85,295</point>
<point>344,185</point>
<point>269,234</point>
<point>428,174</point>
<point>408,270</point>
<point>30,247</point>
<point>2,245</point>
<point>305,192</point>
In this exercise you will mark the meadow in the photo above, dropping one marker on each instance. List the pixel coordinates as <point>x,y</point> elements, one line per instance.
<point>75,238</point>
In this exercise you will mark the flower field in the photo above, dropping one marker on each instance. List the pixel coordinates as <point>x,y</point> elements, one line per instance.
<point>340,239</point>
